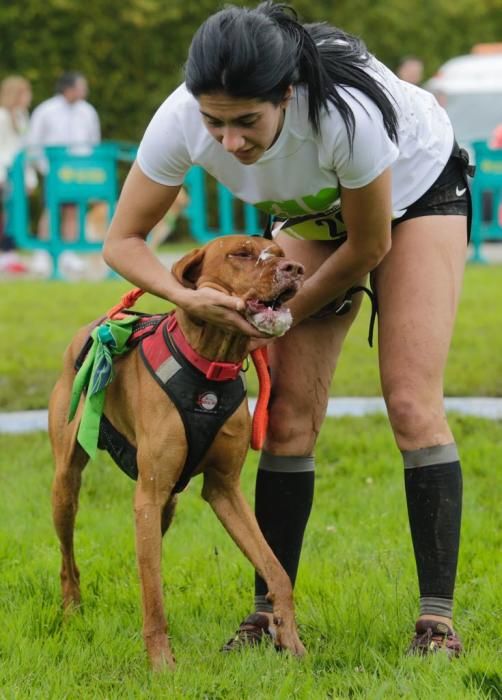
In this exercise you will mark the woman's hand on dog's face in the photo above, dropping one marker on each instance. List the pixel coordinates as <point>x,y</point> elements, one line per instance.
<point>218,308</point>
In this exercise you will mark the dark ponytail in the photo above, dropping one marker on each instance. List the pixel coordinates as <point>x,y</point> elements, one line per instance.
<point>258,53</point>
<point>340,59</point>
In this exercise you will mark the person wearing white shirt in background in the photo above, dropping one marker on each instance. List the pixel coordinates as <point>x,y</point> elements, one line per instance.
<point>66,119</point>
<point>15,99</point>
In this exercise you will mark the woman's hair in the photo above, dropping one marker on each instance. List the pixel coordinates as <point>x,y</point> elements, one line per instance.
<point>10,90</point>
<point>257,53</point>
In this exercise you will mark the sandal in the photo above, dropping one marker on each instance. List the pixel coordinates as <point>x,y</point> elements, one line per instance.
<point>252,631</point>
<point>432,636</point>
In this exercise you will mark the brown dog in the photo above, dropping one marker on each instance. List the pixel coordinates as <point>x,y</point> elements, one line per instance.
<point>249,267</point>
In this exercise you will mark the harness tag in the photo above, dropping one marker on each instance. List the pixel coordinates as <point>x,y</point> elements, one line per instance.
<point>222,370</point>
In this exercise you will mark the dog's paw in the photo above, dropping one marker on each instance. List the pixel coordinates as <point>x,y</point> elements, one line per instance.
<point>290,642</point>
<point>286,636</point>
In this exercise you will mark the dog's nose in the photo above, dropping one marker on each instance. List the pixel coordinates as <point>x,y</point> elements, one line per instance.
<point>291,267</point>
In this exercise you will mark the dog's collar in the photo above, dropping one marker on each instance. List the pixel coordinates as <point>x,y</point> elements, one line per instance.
<point>212,370</point>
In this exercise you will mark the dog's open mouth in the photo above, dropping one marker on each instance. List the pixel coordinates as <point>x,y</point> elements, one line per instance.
<point>270,316</point>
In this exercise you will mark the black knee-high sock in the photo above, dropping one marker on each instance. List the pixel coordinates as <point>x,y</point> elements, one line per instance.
<point>283,501</point>
<point>433,481</point>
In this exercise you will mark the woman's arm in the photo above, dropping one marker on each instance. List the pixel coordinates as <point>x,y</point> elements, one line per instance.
<point>141,205</point>
<point>367,213</point>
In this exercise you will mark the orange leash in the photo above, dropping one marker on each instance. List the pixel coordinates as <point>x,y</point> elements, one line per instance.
<point>128,300</point>
<point>260,416</point>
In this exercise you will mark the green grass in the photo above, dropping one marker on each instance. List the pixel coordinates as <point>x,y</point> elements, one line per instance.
<point>356,592</point>
<point>37,320</point>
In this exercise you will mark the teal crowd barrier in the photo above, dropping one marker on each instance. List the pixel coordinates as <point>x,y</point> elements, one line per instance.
<point>86,175</point>
<point>486,190</point>
<point>232,216</point>
<point>79,175</point>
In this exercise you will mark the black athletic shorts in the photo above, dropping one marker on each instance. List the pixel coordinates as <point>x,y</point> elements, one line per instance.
<point>449,194</point>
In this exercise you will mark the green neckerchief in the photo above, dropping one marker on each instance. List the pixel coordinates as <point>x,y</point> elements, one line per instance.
<point>96,372</point>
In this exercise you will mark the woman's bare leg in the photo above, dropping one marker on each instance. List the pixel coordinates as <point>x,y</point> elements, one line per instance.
<point>302,365</point>
<point>418,285</point>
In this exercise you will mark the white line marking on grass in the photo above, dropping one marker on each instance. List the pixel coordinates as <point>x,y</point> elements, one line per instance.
<point>23,421</point>
<point>32,421</point>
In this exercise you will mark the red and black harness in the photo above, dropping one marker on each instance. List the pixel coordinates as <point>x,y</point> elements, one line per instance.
<point>205,393</point>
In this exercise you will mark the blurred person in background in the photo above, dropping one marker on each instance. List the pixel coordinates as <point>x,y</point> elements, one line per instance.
<point>496,142</point>
<point>411,69</point>
<point>15,99</point>
<point>66,119</point>
<point>496,139</point>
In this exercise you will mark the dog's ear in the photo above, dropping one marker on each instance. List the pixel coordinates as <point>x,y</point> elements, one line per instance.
<point>187,270</point>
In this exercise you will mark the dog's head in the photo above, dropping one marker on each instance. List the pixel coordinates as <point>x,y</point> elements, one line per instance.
<point>250,267</point>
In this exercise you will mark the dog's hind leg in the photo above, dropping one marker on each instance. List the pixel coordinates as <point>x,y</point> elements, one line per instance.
<point>70,460</point>
<point>229,504</point>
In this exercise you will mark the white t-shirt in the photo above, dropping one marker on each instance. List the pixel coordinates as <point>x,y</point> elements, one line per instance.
<point>12,139</point>
<point>57,122</point>
<point>298,178</point>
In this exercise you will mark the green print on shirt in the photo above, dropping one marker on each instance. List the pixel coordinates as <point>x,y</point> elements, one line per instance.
<point>311,217</point>
<point>308,204</point>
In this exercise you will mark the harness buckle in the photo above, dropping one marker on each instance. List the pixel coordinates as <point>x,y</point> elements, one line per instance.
<point>220,371</point>
<point>344,307</point>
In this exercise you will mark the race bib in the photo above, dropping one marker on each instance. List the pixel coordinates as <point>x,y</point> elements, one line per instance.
<point>324,226</point>
<point>316,217</point>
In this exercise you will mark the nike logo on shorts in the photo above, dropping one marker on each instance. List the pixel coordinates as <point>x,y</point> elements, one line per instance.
<point>459,192</point>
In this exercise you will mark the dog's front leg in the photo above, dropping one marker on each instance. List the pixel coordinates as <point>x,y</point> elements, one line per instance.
<point>232,509</point>
<point>148,505</point>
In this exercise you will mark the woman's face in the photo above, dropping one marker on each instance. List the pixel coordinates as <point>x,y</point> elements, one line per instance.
<point>246,128</point>
<point>24,97</point>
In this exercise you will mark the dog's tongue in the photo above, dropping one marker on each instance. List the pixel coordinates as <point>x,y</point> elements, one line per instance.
<point>254,306</point>
<point>271,321</point>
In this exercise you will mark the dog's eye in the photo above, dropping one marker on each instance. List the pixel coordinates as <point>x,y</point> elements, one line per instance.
<point>241,254</point>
